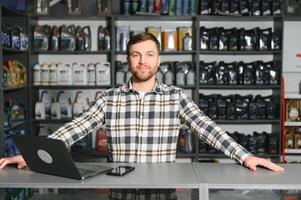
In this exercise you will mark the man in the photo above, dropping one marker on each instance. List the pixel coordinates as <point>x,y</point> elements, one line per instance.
<point>143,117</point>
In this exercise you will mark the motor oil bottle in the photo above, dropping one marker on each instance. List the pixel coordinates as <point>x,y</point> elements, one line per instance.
<point>120,75</point>
<point>5,76</point>
<point>78,107</point>
<point>103,73</point>
<point>86,31</point>
<point>45,101</point>
<point>159,76</point>
<point>80,39</point>
<point>79,74</point>
<point>12,74</point>
<point>67,38</point>
<point>64,74</point>
<point>54,42</point>
<point>180,76</point>
<point>128,75</point>
<point>74,7</point>
<point>190,76</point>
<point>15,37</point>
<point>100,38</point>
<point>52,74</point>
<point>44,74</point>
<point>42,7</point>
<point>36,74</point>
<point>107,40</point>
<point>55,109</point>
<point>40,38</point>
<point>91,74</point>
<point>20,69</point>
<point>187,42</point>
<point>6,36</point>
<point>24,43</point>
<point>65,104</point>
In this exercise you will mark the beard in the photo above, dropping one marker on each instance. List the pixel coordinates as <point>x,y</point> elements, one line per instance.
<point>143,73</point>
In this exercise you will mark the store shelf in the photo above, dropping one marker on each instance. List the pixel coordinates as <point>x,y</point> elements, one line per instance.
<point>71,52</point>
<point>70,87</point>
<point>292,151</point>
<point>16,125</point>
<point>234,18</point>
<point>69,17</point>
<point>259,121</point>
<point>152,17</point>
<point>238,87</point>
<point>10,50</point>
<point>10,89</point>
<point>292,96</point>
<point>240,52</point>
<point>292,123</point>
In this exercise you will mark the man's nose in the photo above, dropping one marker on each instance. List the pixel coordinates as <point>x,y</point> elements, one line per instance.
<point>142,59</point>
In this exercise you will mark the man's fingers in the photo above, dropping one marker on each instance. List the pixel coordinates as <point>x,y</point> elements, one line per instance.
<point>4,162</point>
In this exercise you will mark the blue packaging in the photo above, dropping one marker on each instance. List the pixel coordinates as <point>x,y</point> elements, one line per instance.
<point>21,5</point>
<point>9,3</point>
<point>185,7</point>
<point>179,7</point>
<point>164,7</point>
<point>150,7</point>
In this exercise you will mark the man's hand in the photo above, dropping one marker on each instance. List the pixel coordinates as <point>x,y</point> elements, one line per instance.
<point>13,160</point>
<point>252,162</point>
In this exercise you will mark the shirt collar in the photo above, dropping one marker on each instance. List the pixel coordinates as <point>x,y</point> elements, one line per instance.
<point>127,87</point>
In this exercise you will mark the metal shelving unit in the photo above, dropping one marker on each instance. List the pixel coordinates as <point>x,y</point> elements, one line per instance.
<point>111,21</point>
<point>13,17</point>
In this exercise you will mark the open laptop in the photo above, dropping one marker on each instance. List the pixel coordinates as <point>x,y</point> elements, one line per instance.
<point>50,156</point>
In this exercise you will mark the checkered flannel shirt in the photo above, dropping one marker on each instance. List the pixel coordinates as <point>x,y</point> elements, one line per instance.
<point>146,129</point>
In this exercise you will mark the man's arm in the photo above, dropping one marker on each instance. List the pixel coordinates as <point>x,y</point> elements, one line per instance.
<point>207,130</point>
<point>70,132</point>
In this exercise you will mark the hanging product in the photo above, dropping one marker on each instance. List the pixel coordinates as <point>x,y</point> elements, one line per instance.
<point>74,7</point>
<point>64,74</point>
<point>42,7</point>
<point>67,38</point>
<point>14,74</point>
<point>41,37</point>
<point>52,74</point>
<point>103,73</point>
<point>79,74</point>
<point>91,74</point>
<point>102,141</point>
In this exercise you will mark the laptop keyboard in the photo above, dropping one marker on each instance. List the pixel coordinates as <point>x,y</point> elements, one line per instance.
<point>84,172</point>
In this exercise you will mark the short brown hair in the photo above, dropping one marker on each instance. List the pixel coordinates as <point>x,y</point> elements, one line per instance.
<point>141,37</point>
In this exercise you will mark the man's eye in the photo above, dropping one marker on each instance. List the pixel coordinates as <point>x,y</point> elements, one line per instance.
<point>134,55</point>
<point>150,55</point>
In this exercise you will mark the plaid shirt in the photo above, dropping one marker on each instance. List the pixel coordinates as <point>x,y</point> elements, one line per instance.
<point>146,129</point>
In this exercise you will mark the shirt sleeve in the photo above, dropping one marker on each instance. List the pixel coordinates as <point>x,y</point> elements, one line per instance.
<point>208,131</point>
<point>83,125</point>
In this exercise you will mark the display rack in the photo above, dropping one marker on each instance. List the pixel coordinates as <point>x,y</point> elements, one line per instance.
<point>112,21</point>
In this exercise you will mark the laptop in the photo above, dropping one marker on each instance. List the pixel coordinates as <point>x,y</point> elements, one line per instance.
<point>50,156</point>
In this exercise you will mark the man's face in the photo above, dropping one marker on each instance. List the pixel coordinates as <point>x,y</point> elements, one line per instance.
<point>143,60</point>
